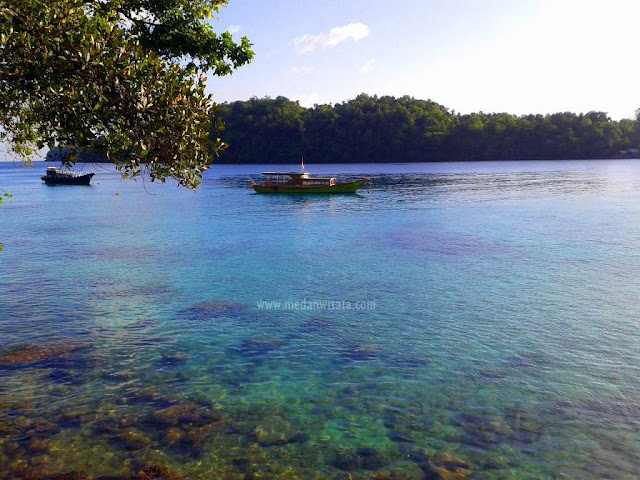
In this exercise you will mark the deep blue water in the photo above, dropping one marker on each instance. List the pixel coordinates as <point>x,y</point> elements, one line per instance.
<point>478,320</point>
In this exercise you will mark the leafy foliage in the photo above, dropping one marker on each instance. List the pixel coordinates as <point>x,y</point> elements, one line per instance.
<point>108,75</point>
<point>173,29</point>
<point>388,129</point>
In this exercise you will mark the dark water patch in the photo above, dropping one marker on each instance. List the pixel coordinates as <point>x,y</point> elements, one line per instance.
<point>475,185</point>
<point>143,324</point>
<point>130,254</point>
<point>528,361</point>
<point>407,361</point>
<point>612,410</point>
<point>56,228</point>
<point>442,243</point>
<point>64,376</point>
<point>257,346</point>
<point>316,325</point>
<point>358,353</point>
<point>488,375</point>
<point>213,309</point>
<point>135,394</point>
<point>173,359</point>
<point>238,383</point>
<point>117,289</point>
<point>397,436</point>
<point>119,376</point>
<point>157,290</point>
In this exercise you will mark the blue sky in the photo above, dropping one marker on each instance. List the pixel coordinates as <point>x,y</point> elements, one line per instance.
<point>518,56</point>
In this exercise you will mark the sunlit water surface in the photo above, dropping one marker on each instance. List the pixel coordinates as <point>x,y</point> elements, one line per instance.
<point>472,320</point>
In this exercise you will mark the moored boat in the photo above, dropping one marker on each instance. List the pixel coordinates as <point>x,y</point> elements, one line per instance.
<point>302,182</point>
<point>56,176</point>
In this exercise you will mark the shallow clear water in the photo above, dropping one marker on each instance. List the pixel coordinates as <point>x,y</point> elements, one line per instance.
<point>484,311</point>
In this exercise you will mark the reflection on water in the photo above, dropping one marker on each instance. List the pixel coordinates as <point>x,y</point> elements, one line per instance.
<point>499,340</point>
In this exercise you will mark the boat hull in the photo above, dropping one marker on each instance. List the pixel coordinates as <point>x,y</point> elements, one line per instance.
<point>350,187</point>
<point>59,180</point>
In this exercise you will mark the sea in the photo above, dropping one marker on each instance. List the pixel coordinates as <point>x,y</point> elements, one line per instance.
<point>448,321</point>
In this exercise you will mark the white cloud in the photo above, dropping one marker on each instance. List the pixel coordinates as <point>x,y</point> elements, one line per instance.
<point>309,100</point>
<point>302,69</point>
<point>337,35</point>
<point>234,28</point>
<point>367,67</point>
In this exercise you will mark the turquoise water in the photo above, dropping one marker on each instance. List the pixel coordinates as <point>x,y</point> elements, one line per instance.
<point>451,321</point>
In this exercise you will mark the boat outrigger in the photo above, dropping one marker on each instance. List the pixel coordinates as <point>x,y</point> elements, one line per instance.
<point>302,182</point>
<point>56,176</point>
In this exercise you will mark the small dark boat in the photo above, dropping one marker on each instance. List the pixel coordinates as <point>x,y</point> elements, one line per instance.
<point>56,176</point>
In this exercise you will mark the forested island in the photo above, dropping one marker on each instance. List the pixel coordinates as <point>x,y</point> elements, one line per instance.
<point>388,129</point>
<point>403,130</point>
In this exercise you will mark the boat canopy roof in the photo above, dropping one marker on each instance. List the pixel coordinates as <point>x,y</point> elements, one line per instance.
<point>301,175</point>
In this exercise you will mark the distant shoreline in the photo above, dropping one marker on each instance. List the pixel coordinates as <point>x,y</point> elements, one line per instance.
<point>310,163</point>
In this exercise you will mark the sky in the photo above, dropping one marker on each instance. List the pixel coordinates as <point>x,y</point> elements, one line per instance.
<point>513,56</point>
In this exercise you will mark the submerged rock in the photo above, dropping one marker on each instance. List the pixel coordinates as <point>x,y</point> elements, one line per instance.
<point>154,472</point>
<point>400,470</point>
<point>371,459</point>
<point>133,439</point>
<point>213,309</point>
<point>515,426</point>
<point>187,413</point>
<point>70,476</point>
<point>398,436</point>
<point>276,431</point>
<point>173,437</point>
<point>72,418</point>
<point>36,446</point>
<point>444,466</point>
<point>363,458</point>
<point>345,460</point>
<point>42,427</point>
<point>241,464</point>
<point>199,436</point>
<point>28,355</point>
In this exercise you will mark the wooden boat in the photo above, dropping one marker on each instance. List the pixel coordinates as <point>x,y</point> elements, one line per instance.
<point>56,176</point>
<point>302,182</point>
